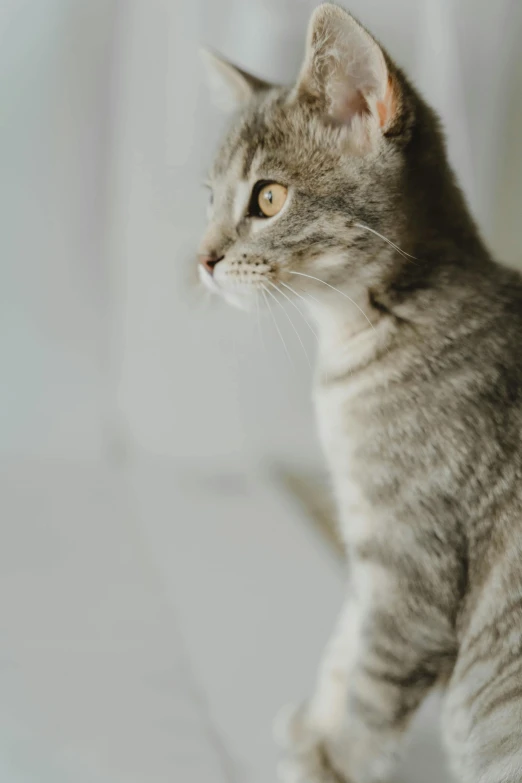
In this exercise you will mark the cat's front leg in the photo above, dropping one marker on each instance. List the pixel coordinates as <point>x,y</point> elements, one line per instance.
<point>387,650</point>
<point>302,729</point>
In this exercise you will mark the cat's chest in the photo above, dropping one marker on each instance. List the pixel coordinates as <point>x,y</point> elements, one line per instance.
<point>344,411</point>
<point>349,390</point>
<point>340,435</point>
<point>347,428</point>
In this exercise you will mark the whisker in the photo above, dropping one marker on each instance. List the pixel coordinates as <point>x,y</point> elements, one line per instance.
<point>325,373</point>
<point>267,302</point>
<point>258,316</point>
<point>293,290</point>
<point>291,323</point>
<point>294,305</point>
<point>302,274</point>
<point>392,244</point>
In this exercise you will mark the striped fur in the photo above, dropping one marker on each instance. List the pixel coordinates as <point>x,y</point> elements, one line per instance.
<point>418,397</point>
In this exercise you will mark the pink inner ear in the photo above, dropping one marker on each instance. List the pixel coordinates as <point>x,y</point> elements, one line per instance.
<point>353,103</point>
<point>386,108</point>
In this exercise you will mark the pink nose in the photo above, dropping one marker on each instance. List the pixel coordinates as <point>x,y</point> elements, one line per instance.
<point>209,262</point>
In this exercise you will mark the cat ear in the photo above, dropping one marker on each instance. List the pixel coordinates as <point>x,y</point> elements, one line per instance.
<point>345,71</point>
<point>231,87</point>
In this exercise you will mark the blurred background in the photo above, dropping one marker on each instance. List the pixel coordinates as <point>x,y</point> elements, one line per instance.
<point>163,586</point>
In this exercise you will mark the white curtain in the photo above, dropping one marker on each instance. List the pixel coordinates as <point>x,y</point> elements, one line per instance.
<point>197,384</point>
<point>106,135</point>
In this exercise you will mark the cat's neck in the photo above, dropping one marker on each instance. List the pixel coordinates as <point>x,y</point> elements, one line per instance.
<point>351,331</point>
<point>438,217</point>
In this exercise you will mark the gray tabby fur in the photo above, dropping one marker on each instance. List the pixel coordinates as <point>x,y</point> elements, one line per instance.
<point>419,402</point>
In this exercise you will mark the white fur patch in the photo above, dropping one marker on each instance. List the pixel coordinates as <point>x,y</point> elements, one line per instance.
<point>207,280</point>
<point>327,709</point>
<point>241,200</point>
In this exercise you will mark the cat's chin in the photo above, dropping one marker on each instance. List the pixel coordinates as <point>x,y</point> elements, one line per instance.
<point>244,301</point>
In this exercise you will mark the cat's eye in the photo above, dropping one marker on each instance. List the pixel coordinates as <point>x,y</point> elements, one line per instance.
<point>268,198</point>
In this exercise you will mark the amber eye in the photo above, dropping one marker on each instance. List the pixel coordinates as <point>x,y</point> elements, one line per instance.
<point>267,199</point>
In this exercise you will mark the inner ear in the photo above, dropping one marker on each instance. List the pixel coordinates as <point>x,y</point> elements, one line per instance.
<point>346,103</point>
<point>345,70</point>
<point>387,108</point>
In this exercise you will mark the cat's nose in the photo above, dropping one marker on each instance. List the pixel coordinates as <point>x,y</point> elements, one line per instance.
<point>209,262</point>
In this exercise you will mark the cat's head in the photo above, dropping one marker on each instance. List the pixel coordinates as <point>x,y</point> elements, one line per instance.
<point>306,175</point>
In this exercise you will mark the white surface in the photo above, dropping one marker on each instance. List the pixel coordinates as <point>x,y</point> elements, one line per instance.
<point>152,623</point>
<point>95,684</point>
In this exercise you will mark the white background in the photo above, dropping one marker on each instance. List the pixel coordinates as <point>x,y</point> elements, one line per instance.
<point>106,135</point>
<point>155,584</point>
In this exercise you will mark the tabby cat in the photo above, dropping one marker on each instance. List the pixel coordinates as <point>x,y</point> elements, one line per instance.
<point>336,194</point>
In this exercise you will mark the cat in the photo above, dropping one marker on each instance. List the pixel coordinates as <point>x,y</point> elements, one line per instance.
<point>336,193</point>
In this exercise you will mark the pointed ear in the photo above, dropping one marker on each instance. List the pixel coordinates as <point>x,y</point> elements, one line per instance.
<point>231,87</point>
<point>345,72</point>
